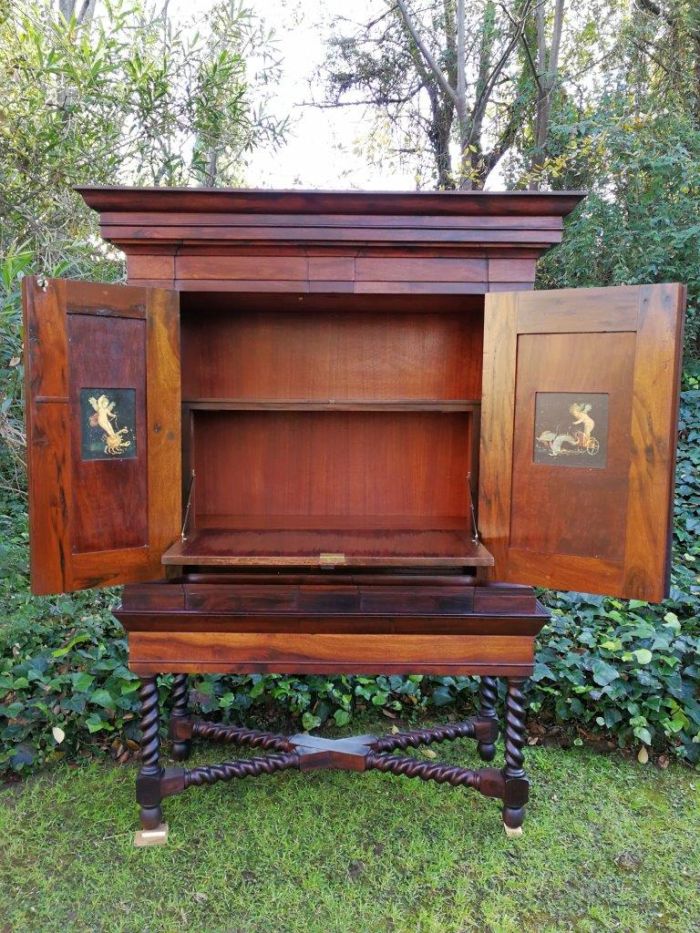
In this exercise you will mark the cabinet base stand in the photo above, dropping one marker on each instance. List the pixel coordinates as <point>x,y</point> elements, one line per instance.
<point>309,753</point>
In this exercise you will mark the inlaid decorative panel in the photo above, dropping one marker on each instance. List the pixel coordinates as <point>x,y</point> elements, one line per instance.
<point>108,424</point>
<point>571,430</point>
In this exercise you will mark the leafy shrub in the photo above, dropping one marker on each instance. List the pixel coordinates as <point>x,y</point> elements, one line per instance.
<point>629,670</point>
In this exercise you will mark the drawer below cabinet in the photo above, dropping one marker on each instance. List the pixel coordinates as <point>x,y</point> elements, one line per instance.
<point>293,653</point>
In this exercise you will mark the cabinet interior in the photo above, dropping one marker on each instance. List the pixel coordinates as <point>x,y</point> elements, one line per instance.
<point>330,429</point>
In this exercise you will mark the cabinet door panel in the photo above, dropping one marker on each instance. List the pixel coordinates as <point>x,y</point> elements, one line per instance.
<point>103,432</point>
<point>579,415</point>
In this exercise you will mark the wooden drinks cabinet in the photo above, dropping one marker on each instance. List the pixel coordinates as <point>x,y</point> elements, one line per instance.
<point>340,433</point>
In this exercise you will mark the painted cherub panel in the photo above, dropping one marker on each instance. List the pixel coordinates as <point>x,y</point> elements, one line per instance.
<point>571,429</point>
<point>108,424</point>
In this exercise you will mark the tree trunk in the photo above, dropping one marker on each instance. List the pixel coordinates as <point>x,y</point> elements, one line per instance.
<point>547,73</point>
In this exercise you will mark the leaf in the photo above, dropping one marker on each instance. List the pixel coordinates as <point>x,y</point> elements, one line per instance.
<point>643,755</point>
<point>643,655</point>
<point>94,723</point>
<point>24,755</point>
<point>82,681</point>
<point>76,640</point>
<point>103,698</point>
<point>428,753</point>
<point>342,717</point>
<point>442,696</point>
<point>603,673</point>
<point>58,734</point>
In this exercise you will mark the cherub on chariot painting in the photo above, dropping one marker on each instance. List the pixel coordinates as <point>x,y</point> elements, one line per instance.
<point>569,427</point>
<point>108,423</point>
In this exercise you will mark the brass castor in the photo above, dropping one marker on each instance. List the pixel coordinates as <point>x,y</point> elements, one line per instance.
<point>513,830</point>
<point>152,837</point>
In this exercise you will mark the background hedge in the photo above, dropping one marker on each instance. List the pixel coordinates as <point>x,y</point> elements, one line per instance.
<point>607,670</point>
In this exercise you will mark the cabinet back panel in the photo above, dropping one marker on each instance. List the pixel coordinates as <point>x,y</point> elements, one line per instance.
<point>370,466</point>
<point>251,352</point>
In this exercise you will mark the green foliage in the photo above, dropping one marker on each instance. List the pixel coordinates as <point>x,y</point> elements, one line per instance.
<point>641,221</point>
<point>128,98</point>
<point>123,97</point>
<point>627,670</point>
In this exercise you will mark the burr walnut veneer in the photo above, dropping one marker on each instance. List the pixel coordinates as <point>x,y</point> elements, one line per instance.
<point>340,433</point>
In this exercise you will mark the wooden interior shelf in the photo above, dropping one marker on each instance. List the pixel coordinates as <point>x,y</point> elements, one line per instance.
<point>329,547</point>
<point>285,404</point>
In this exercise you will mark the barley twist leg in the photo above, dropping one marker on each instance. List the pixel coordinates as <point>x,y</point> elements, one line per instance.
<point>179,717</point>
<point>516,783</point>
<point>488,693</point>
<point>149,777</point>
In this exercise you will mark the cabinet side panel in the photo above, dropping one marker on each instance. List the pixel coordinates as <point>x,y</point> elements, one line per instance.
<point>48,461</point>
<point>654,432</point>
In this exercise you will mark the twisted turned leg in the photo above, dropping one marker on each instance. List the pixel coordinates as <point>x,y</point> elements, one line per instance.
<point>488,693</point>
<point>148,782</point>
<point>180,724</point>
<point>516,783</point>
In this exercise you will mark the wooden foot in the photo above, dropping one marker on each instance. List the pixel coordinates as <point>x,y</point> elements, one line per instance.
<point>180,723</point>
<point>151,837</point>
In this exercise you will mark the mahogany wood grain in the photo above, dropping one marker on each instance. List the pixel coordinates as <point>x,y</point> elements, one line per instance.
<point>391,221</point>
<point>109,497</point>
<point>200,620</point>
<point>240,592</point>
<point>420,203</point>
<point>329,547</point>
<point>270,652</point>
<point>343,354</point>
<point>373,464</point>
<point>595,530</point>
<point>582,505</point>
<point>100,522</point>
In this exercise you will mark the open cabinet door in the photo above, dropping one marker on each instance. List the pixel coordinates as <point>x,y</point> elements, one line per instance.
<point>578,434</point>
<point>103,431</point>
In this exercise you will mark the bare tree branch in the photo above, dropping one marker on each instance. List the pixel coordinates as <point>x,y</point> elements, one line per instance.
<point>425,51</point>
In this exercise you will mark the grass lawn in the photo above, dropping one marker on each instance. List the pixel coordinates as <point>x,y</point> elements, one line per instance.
<point>608,844</point>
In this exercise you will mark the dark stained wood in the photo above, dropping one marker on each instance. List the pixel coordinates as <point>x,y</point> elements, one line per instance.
<point>343,623</point>
<point>100,522</point>
<point>420,203</point>
<point>448,243</point>
<point>602,531</point>
<point>304,752</point>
